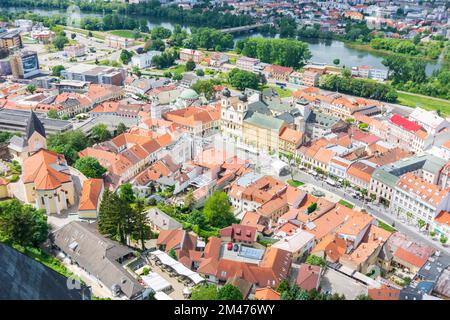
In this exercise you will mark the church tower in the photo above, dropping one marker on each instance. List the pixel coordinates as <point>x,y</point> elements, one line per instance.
<point>35,134</point>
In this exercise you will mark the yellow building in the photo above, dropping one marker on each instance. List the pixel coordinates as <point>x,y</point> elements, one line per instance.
<point>11,40</point>
<point>47,182</point>
<point>262,132</point>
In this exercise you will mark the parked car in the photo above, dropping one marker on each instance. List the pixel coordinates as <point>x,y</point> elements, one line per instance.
<point>230,246</point>
<point>235,247</point>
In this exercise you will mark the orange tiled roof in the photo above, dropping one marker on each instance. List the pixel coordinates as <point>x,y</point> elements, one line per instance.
<point>90,194</point>
<point>41,168</point>
<point>267,294</point>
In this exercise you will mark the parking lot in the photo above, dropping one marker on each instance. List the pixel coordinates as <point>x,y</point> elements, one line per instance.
<point>335,282</point>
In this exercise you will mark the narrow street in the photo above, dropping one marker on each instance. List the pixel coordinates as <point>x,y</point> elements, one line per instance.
<point>376,210</point>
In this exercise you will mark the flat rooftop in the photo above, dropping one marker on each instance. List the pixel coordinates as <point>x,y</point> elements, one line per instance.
<point>244,254</point>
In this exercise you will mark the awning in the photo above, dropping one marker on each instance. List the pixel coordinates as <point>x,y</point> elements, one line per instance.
<point>156,282</point>
<point>182,270</point>
<point>162,296</point>
<point>196,278</point>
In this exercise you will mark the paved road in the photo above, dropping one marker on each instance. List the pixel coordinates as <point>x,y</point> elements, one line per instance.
<point>376,210</point>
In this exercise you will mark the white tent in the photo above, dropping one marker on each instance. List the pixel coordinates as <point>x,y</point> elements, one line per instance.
<point>156,282</point>
<point>182,270</point>
<point>279,166</point>
<point>178,267</point>
<point>196,278</point>
<point>162,296</point>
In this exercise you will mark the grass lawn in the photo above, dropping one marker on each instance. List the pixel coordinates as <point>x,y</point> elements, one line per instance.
<point>123,33</point>
<point>386,226</point>
<point>346,204</point>
<point>424,102</point>
<point>295,183</point>
<point>283,93</point>
<point>95,34</point>
<point>180,68</point>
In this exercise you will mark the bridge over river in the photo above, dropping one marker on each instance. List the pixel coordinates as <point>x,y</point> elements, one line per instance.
<point>243,28</point>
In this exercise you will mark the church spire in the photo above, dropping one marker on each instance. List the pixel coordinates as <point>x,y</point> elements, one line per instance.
<point>34,125</point>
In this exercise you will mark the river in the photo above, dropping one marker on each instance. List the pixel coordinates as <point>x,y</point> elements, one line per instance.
<point>323,51</point>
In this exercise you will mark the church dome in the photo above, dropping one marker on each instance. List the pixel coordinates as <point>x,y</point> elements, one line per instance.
<point>189,94</point>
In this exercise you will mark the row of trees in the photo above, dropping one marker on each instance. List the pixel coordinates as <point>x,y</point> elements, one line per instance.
<point>359,87</point>
<point>284,52</point>
<point>431,49</point>
<point>209,38</point>
<point>127,13</point>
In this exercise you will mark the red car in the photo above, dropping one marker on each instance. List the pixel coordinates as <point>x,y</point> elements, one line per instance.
<point>230,246</point>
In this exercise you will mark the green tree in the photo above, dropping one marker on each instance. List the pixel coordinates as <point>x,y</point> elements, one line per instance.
<point>73,36</point>
<point>189,200</point>
<point>200,72</point>
<point>100,133</point>
<point>190,65</point>
<point>242,79</point>
<point>115,217</point>
<point>157,45</point>
<point>218,211</point>
<point>56,70</point>
<point>283,286</point>
<point>204,292</point>
<point>205,87</point>
<point>284,52</point>
<point>90,167</point>
<point>197,218</point>
<point>125,56</point>
<point>136,71</point>
<point>421,223</point>
<point>22,224</point>
<point>177,76</point>
<point>229,292</point>
<point>126,193</point>
<point>68,143</point>
<point>121,128</point>
<point>160,33</point>
<point>443,240</point>
<point>60,41</point>
<point>31,88</point>
<point>336,61</point>
<point>173,254</point>
<point>141,229</point>
<point>316,261</point>
<point>363,297</point>
<point>52,114</point>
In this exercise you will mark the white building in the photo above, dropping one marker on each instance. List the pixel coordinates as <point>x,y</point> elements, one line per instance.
<point>417,199</point>
<point>233,110</point>
<point>246,63</point>
<point>429,120</point>
<point>299,244</point>
<point>144,60</point>
<point>74,51</point>
<point>24,25</point>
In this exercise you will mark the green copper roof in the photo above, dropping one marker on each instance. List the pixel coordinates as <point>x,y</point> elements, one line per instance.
<point>188,94</point>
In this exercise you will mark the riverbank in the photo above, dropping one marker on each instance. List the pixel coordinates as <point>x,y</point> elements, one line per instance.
<point>381,52</point>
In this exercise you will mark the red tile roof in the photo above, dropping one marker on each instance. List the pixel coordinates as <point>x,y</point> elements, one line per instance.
<point>405,123</point>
